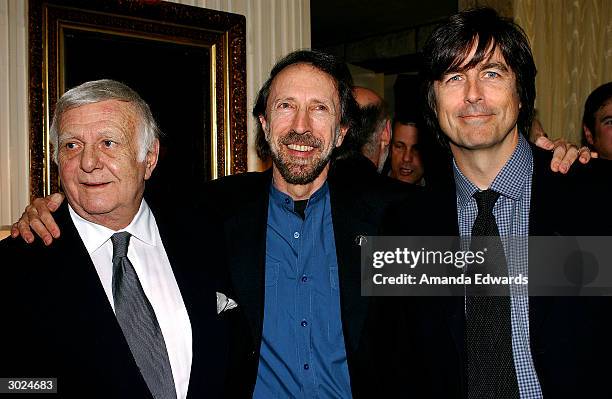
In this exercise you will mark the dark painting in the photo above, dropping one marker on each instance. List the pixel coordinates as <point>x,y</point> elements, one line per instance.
<point>174,79</point>
<point>187,63</point>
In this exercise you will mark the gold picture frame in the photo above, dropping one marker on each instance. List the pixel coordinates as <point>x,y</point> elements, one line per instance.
<point>203,50</point>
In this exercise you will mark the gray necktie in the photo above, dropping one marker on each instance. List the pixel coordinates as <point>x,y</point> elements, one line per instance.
<point>488,335</point>
<point>139,324</point>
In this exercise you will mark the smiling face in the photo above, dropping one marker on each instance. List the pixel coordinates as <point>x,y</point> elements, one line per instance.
<point>478,108</point>
<point>98,166</point>
<point>302,123</point>
<point>406,162</point>
<point>601,138</point>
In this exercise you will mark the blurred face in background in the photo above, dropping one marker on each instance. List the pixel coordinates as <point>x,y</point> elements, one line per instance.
<point>406,162</point>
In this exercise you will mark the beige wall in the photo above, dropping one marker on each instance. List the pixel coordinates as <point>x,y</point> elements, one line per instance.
<point>572,46</point>
<point>274,28</point>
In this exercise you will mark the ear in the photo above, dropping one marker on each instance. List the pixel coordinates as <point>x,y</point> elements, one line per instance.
<point>340,139</point>
<point>151,159</point>
<point>264,123</point>
<point>588,135</point>
<point>385,135</point>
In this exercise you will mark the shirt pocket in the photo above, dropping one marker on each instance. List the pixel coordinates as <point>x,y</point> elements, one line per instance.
<point>272,274</point>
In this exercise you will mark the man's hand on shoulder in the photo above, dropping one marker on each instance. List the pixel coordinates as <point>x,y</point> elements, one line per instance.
<point>37,217</point>
<point>564,153</point>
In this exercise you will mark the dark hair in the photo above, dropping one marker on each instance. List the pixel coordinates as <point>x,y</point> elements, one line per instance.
<point>336,69</point>
<point>597,99</point>
<point>449,45</point>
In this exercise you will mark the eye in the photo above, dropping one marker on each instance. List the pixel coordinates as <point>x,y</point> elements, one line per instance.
<point>321,107</point>
<point>454,78</point>
<point>70,146</point>
<point>491,74</point>
<point>108,143</point>
<point>283,105</point>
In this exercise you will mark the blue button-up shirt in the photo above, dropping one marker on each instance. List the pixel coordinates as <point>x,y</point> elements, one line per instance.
<point>302,351</point>
<point>511,212</point>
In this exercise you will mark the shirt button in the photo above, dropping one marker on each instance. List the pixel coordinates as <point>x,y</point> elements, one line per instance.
<point>296,235</point>
<point>287,200</point>
<point>304,323</point>
<point>306,366</point>
<point>304,279</point>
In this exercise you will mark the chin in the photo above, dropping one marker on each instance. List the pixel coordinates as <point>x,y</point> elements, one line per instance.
<point>98,206</point>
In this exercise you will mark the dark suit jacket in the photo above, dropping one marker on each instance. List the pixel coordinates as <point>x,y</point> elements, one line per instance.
<point>569,346</point>
<point>59,322</point>
<point>358,198</point>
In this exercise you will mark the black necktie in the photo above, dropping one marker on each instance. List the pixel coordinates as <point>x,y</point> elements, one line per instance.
<point>488,328</point>
<point>139,324</point>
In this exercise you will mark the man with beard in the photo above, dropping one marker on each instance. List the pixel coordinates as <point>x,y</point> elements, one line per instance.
<point>292,240</point>
<point>293,236</point>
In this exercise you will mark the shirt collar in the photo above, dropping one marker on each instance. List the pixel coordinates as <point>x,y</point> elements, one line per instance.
<point>509,182</point>
<point>284,200</point>
<point>142,227</point>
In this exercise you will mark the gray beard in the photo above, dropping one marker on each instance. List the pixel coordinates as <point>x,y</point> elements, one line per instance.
<point>306,174</point>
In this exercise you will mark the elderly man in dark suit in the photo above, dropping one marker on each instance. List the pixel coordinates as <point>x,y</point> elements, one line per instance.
<point>115,307</point>
<point>292,240</point>
<point>479,78</point>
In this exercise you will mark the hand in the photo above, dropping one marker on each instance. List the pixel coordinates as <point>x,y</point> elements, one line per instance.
<point>37,216</point>
<point>564,153</point>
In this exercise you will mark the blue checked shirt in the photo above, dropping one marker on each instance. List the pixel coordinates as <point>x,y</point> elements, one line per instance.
<point>511,212</point>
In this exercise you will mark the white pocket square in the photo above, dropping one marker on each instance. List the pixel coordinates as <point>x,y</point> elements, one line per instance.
<point>224,303</point>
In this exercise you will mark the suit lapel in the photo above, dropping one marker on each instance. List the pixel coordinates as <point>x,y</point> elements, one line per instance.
<point>246,238</point>
<point>542,222</point>
<point>85,304</point>
<point>192,258</point>
<point>350,221</point>
<point>446,222</point>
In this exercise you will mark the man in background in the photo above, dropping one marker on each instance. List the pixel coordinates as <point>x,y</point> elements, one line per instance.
<point>597,120</point>
<point>372,131</point>
<point>406,158</point>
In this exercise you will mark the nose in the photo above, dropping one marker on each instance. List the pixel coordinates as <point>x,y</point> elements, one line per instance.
<point>407,156</point>
<point>473,91</point>
<point>301,122</point>
<point>90,159</point>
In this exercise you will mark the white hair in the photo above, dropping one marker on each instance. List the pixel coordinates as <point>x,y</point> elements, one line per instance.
<point>102,90</point>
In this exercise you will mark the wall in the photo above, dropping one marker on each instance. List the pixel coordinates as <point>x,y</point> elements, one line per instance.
<point>571,42</point>
<point>274,28</point>
<point>14,162</point>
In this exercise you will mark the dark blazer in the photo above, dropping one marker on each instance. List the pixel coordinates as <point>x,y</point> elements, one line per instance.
<point>358,200</point>
<point>568,338</point>
<point>59,322</point>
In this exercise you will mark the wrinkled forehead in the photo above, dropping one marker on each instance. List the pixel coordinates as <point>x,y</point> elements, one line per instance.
<point>112,113</point>
<point>474,53</point>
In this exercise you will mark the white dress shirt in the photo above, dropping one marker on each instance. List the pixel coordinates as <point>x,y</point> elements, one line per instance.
<point>147,254</point>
